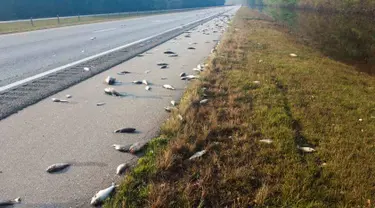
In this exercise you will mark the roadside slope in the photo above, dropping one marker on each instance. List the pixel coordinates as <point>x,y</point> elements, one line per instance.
<point>262,104</point>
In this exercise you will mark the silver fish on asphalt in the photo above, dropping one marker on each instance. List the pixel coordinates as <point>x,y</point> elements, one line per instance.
<point>137,82</point>
<point>169,87</point>
<point>122,148</point>
<point>111,91</point>
<point>125,130</point>
<point>145,82</point>
<point>122,168</point>
<point>56,100</point>
<point>57,167</point>
<point>148,88</point>
<point>182,74</point>
<point>10,202</point>
<point>110,80</point>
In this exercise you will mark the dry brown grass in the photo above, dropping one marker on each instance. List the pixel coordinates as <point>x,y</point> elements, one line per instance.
<point>309,100</point>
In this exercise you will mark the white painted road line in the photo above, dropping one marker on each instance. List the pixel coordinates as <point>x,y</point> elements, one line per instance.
<point>104,30</point>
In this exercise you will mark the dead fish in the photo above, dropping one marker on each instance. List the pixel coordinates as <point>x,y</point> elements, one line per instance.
<point>204,101</point>
<point>57,167</point>
<point>187,36</point>
<point>191,48</point>
<point>169,87</point>
<point>198,154</point>
<point>122,148</point>
<point>140,55</point>
<point>137,82</point>
<point>147,71</point>
<point>86,69</point>
<point>121,168</point>
<point>180,117</point>
<point>169,52</point>
<point>197,70</point>
<point>293,55</point>
<point>110,80</point>
<point>306,149</point>
<point>125,130</point>
<point>162,64</point>
<point>173,55</point>
<point>100,104</point>
<point>148,88</point>
<point>200,67</point>
<point>168,109</point>
<point>184,78</point>
<point>164,67</point>
<point>189,77</point>
<point>256,82</point>
<point>267,141</point>
<point>102,195</point>
<point>111,91</point>
<point>123,73</point>
<point>92,38</point>
<point>136,147</point>
<point>68,96</point>
<point>174,103</point>
<point>10,202</point>
<point>182,74</point>
<point>145,82</point>
<point>164,78</point>
<point>56,100</point>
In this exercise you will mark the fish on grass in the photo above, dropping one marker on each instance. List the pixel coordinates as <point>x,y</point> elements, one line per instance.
<point>293,55</point>
<point>122,168</point>
<point>111,91</point>
<point>169,87</point>
<point>198,154</point>
<point>110,80</point>
<point>204,101</point>
<point>10,202</point>
<point>102,195</point>
<point>125,130</point>
<point>267,141</point>
<point>122,148</point>
<point>57,167</point>
<point>306,149</point>
<point>56,100</point>
<point>136,147</point>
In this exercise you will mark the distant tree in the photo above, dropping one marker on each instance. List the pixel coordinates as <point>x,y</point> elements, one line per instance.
<point>23,9</point>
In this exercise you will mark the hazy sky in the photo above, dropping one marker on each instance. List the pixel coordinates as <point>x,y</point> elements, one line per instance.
<point>234,1</point>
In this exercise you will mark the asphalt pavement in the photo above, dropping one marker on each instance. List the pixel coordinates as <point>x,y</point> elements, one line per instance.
<point>26,54</point>
<point>80,132</point>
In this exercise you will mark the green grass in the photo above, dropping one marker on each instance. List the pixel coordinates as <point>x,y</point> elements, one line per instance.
<point>308,100</point>
<point>14,27</point>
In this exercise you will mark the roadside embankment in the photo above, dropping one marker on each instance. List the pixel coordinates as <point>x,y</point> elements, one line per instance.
<point>282,126</point>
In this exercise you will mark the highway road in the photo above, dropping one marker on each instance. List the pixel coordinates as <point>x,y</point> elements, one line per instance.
<point>26,54</point>
<point>80,132</point>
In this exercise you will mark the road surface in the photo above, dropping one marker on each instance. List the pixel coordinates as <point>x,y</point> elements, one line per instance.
<point>26,54</point>
<point>82,133</point>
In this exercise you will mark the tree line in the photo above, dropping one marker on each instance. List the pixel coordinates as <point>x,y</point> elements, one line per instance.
<point>24,9</point>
